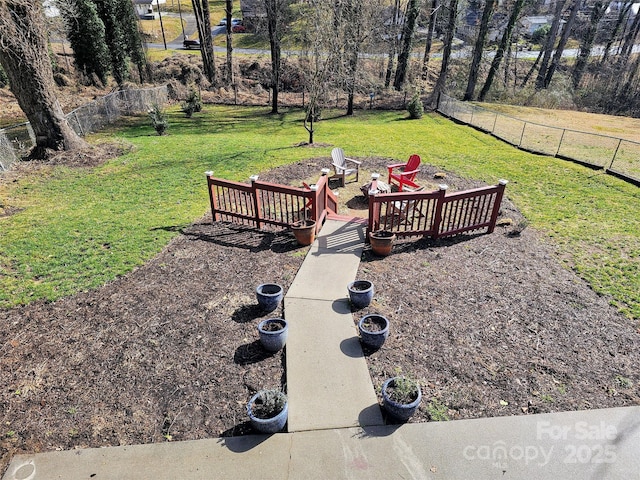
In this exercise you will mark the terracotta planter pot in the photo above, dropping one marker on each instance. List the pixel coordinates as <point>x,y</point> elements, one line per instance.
<point>381,242</point>
<point>304,231</point>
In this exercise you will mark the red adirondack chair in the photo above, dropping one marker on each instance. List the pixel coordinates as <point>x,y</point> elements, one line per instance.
<point>404,173</point>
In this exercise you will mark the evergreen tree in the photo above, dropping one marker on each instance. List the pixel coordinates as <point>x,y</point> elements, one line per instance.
<point>86,34</point>
<point>132,34</point>
<point>110,11</point>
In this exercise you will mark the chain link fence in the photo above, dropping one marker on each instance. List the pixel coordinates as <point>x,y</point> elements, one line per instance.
<point>17,140</point>
<point>616,156</point>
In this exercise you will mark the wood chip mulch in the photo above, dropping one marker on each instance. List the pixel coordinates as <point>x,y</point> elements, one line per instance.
<point>489,324</point>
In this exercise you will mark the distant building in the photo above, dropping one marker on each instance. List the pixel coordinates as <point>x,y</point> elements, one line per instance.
<point>253,12</point>
<point>532,23</point>
<point>147,9</point>
<point>617,6</point>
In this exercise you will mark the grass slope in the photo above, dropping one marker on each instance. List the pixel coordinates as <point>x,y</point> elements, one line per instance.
<point>81,228</point>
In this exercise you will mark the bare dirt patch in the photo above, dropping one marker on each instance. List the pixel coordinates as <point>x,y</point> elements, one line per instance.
<point>489,324</point>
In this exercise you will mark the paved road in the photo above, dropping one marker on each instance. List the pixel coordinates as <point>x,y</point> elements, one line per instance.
<point>465,51</point>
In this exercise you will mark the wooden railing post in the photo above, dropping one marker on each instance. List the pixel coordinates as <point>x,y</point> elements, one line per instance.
<point>212,198</point>
<point>321,198</point>
<point>257,204</point>
<point>496,205</point>
<point>437,217</point>
<point>374,207</point>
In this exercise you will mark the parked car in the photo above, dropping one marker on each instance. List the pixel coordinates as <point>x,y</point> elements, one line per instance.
<point>234,21</point>
<point>240,28</point>
<point>189,44</point>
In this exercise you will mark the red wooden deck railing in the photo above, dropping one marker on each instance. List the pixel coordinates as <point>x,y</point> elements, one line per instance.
<point>262,204</point>
<point>435,213</point>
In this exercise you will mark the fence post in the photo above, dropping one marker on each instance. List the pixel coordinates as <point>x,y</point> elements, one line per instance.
<point>615,154</point>
<point>374,207</point>
<point>522,134</point>
<point>495,121</point>
<point>560,142</point>
<point>212,197</point>
<point>437,217</point>
<point>316,192</point>
<point>257,207</point>
<point>75,113</point>
<point>496,205</point>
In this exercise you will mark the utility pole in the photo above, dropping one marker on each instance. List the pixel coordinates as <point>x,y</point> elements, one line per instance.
<point>161,25</point>
<point>184,37</point>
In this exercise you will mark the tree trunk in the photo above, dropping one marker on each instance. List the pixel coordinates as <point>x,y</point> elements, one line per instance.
<point>599,9</point>
<point>505,41</point>
<point>629,41</point>
<point>429,42</point>
<point>478,50</point>
<point>25,60</point>
<point>566,31</point>
<point>353,17</point>
<point>351,81</point>
<point>626,89</point>
<point>308,123</point>
<point>229,14</point>
<point>527,77</point>
<point>273,15</point>
<point>393,43</point>
<point>622,16</point>
<point>203,21</point>
<point>549,44</point>
<point>413,9</point>
<point>446,54</point>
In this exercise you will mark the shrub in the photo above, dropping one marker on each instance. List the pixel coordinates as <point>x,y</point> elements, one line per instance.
<point>158,119</point>
<point>415,107</point>
<point>192,104</point>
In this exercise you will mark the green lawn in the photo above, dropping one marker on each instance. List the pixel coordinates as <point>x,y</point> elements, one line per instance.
<point>82,228</point>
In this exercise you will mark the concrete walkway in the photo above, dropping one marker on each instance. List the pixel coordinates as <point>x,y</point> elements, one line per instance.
<point>328,381</point>
<point>335,426</point>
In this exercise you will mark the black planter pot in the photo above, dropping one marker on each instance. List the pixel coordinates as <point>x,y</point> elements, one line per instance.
<point>371,337</point>
<point>269,296</point>
<point>271,424</point>
<point>398,410</point>
<point>360,293</point>
<point>273,333</point>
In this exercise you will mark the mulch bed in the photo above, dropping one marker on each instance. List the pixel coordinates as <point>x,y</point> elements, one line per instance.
<point>489,324</point>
